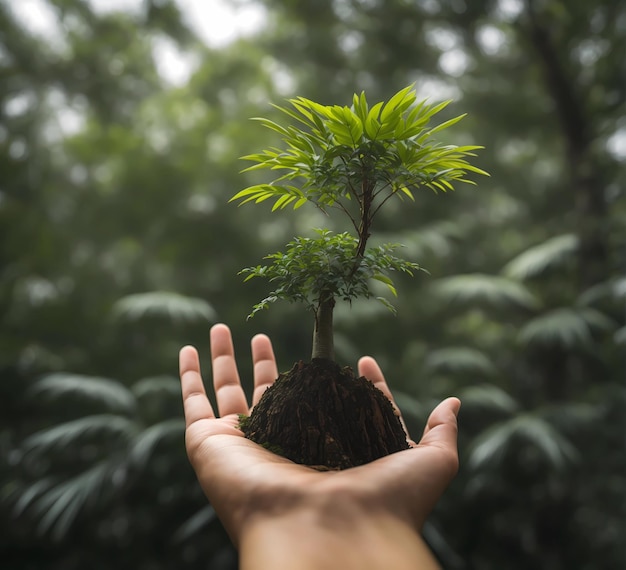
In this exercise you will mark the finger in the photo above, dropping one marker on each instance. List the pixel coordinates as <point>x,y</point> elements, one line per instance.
<point>196,405</point>
<point>444,415</point>
<point>422,473</point>
<point>369,368</point>
<point>442,430</point>
<point>265,370</point>
<point>228,391</point>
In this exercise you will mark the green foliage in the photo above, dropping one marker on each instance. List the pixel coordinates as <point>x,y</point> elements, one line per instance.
<point>58,506</point>
<point>612,292</point>
<point>489,290</point>
<point>114,395</point>
<point>353,159</point>
<point>314,270</point>
<point>172,305</point>
<point>114,182</point>
<point>620,336</point>
<point>566,327</point>
<point>343,153</point>
<point>74,432</point>
<point>91,457</point>
<point>488,398</point>
<point>459,359</point>
<point>491,447</point>
<point>537,259</point>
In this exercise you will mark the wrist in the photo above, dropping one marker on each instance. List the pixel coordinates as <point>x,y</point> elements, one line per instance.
<point>332,530</point>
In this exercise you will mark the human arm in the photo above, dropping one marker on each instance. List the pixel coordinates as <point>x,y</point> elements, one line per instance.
<point>278,512</point>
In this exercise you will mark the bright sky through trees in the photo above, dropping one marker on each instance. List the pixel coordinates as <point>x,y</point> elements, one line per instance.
<point>217,22</point>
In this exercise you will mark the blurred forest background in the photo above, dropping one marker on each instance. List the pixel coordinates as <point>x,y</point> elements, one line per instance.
<point>118,246</point>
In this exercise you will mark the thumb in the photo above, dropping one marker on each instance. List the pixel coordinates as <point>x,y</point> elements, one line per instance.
<point>441,431</point>
<point>413,480</point>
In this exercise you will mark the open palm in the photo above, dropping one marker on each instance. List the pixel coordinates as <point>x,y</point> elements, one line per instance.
<point>240,477</point>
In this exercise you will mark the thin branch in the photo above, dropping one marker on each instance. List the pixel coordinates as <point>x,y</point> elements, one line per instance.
<point>339,205</point>
<point>381,204</point>
<point>381,189</point>
<point>384,200</point>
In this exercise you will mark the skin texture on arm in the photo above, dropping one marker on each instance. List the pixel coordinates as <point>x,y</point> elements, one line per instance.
<point>282,515</point>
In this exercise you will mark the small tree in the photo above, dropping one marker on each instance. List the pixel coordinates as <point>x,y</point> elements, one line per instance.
<point>352,160</point>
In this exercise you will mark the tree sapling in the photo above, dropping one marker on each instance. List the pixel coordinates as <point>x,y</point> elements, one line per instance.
<point>351,160</point>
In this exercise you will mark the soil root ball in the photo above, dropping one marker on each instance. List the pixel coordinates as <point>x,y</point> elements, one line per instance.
<point>322,415</point>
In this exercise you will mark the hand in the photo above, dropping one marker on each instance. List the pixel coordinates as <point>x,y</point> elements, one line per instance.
<point>253,490</point>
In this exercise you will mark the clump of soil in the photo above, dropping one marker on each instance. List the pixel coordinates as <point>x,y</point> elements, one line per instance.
<point>322,415</point>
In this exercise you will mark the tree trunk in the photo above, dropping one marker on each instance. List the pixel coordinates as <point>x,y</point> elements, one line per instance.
<point>323,345</point>
<point>587,179</point>
<point>587,183</point>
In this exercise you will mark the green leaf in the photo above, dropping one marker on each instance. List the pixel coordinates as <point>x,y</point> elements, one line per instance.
<point>538,259</point>
<point>445,124</point>
<point>488,290</point>
<point>110,393</point>
<point>398,103</point>
<point>372,123</point>
<point>360,107</point>
<point>612,291</point>
<point>342,148</point>
<point>145,443</point>
<point>59,506</point>
<point>487,397</point>
<point>272,125</point>
<point>283,195</point>
<point>387,281</point>
<point>407,192</point>
<point>156,386</point>
<point>620,336</point>
<point>387,304</point>
<point>173,306</point>
<point>489,449</point>
<point>73,432</point>
<point>461,360</point>
<point>566,327</point>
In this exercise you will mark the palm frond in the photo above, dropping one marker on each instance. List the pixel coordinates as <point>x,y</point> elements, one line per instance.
<point>489,448</point>
<point>195,523</point>
<point>571,416</point>
<point>566,327</point>
<point>556,448</point>
<point>613,290</point>
<point>597,320</point>
<point>76,431</point>
<point>489,290</point>
<point>620,336</point>
<point>142,448</point>
<point>110,393</point>
<point>539,258</point>
<point>436,239</point>
<point>28,495</point>
<point>459,359</point>
<point>59,506</point>
<point>162,385</point>
<point>488,397</point>
<point>167,304</point>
